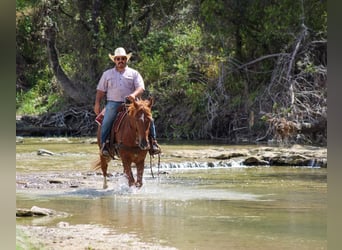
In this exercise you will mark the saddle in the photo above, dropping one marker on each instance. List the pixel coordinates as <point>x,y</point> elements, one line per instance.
<point>122,112</point>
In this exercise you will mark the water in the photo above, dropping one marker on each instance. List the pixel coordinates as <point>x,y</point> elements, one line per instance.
<point>198,208</point>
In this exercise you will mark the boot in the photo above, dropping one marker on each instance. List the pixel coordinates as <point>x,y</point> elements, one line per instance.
<point>155,148</point>
<point>104,150</point>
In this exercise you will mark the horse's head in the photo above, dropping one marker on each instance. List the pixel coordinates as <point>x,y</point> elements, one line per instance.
<point>141,116</point>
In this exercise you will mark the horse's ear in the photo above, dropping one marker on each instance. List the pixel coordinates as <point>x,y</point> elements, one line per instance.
<point>136,105</point>
<point>151,101</point>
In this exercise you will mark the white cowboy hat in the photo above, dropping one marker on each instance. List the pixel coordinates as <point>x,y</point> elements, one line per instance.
<point>120,52</point>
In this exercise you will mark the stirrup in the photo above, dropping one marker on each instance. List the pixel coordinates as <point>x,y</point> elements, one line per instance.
<point>104,151</point>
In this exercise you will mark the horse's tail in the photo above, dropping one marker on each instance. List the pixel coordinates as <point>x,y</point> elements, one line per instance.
<point>97,164</point>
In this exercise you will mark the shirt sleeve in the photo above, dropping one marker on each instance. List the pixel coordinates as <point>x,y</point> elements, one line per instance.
<point>103,83</point>
<point>138,80</point>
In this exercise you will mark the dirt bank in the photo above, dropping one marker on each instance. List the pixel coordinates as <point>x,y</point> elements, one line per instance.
<point>78,237</point>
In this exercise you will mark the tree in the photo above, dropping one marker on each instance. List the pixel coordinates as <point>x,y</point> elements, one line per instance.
<point>223,63</point>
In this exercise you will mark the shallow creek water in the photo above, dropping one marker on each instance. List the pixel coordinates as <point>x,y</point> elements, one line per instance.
<point>185,208</point>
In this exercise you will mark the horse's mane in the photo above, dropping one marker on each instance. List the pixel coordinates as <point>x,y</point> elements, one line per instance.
<point>142,105</point>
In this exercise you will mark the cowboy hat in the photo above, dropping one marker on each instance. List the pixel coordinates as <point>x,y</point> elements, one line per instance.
<point>120,52</point>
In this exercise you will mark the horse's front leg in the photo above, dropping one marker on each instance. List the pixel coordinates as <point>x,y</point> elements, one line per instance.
<point>105,186</point>
<point>140,173</point>
<point>128,172</point>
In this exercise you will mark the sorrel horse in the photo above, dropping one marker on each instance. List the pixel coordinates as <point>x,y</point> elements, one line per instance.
<point>131,142</point>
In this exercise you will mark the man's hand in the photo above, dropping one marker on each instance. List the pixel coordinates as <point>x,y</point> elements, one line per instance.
<point>97,108</point>
<point>130,98</point>
<point>99,95</point>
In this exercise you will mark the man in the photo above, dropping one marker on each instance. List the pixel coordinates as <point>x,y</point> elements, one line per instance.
<point>119,83</point>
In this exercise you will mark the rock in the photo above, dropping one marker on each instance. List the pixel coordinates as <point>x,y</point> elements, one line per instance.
<point>254,161</point>
<point>19,139</point>
<point>227,156</point>
<point>34,211</point>
<point>291,160</point>
<point>297,155</point>
<point>55,181</point>
<point>42,211</point>
<point>23,212</point>
<point>63,224</point>
<point>44,152</point>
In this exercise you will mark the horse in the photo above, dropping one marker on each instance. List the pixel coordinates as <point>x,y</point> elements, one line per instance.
<point>131,142</point>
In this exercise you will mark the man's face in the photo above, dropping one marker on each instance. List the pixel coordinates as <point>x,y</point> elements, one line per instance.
<point>120,62</point>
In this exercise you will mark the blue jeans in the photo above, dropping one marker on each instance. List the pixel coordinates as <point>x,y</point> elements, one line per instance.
<point>108,119</point>
<point>110,116</point>
<point>153,133</point>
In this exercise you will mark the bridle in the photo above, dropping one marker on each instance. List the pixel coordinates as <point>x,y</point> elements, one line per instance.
<point>134,149</point>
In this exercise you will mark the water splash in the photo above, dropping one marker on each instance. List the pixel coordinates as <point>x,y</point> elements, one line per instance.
<point>201,165</point>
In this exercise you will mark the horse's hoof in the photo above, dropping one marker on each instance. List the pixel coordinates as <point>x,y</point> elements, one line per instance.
<point>138,184</point>
<point>105,186</point>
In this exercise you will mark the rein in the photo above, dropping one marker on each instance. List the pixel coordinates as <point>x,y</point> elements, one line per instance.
<point>151,156</point>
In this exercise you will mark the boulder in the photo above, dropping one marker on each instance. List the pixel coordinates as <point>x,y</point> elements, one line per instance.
<point>254,161</point>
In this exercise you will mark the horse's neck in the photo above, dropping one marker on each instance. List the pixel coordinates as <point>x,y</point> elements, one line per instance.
<point>127,132</point>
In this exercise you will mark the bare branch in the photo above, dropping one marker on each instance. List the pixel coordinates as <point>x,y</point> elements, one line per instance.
<point>262,58</point>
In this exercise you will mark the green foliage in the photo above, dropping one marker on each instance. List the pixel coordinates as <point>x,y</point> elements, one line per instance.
<point>42,97</point>
<point>170,57</point>
<point>34,102</point>
<point>189,53</point>
<point>155,54</point>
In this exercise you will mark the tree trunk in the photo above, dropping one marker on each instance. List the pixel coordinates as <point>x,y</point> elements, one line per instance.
<point>68,86</point>
<point>95,42</point>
